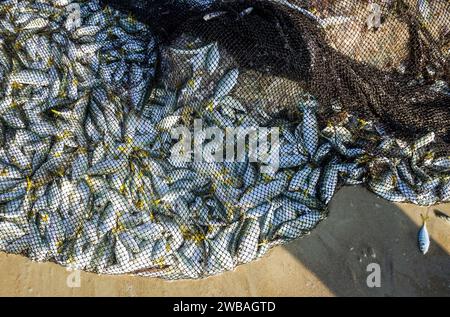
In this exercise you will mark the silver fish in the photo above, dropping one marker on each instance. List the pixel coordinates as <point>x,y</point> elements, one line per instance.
<point>226,84</point>
<point>423,236</point>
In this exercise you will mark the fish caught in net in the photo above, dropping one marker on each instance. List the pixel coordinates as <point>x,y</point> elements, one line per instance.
<point>181,138</point>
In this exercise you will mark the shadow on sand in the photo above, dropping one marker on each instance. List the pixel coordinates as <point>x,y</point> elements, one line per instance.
<point>363,229</point>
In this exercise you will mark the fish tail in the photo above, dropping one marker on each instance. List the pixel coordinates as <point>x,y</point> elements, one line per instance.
<point>425,218</point>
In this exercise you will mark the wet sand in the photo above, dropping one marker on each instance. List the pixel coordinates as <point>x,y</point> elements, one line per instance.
<point>361,229</point>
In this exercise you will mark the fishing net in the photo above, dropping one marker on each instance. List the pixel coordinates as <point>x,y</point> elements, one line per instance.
<point>179,139</point>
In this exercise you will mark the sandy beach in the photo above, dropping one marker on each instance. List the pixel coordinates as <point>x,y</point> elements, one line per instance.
<point>361,230</point>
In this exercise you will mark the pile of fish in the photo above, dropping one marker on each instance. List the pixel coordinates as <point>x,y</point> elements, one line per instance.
<point>87,178</point>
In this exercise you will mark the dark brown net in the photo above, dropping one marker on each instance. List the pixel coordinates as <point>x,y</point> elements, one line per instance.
<point>383,73</point>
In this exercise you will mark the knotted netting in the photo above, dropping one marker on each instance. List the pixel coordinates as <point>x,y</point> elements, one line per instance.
<point>182,138</point>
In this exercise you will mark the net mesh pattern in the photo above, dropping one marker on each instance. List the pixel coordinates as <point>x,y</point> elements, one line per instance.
<point>179,139</point>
